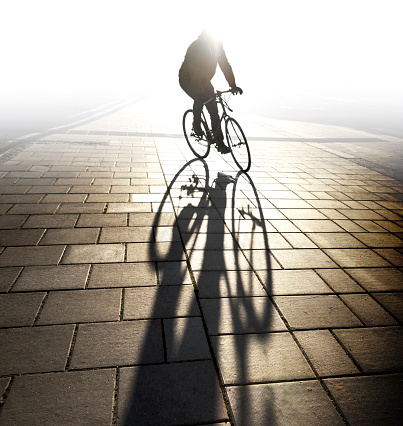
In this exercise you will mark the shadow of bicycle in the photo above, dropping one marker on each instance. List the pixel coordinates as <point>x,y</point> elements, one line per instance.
<point>212,304</point>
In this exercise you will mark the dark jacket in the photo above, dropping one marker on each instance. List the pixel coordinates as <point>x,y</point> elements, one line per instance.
<point>201,61</point>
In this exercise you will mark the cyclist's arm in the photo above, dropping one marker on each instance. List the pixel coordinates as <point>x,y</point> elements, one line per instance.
<point>226,67</point>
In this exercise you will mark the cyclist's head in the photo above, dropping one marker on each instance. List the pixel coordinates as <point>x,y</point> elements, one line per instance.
<point>208,33</point>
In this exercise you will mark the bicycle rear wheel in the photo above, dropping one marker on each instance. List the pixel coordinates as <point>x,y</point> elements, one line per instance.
<point>199,145</point>
<point>238,144</point>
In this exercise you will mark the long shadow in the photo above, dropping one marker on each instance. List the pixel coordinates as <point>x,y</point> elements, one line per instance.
<point>219,225</point>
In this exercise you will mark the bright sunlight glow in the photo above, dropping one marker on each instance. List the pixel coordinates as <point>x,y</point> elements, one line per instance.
<point>129,46</point>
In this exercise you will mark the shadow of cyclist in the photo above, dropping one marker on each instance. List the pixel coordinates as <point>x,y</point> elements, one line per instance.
<point>185,388</point>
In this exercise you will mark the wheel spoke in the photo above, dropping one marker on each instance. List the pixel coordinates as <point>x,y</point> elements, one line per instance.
<point>239,145</point>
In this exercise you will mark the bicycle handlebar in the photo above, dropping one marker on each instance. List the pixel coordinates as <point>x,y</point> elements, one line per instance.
<point>219,92</point>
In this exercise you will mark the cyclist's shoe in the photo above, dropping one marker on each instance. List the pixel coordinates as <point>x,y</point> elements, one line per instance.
<point>198,130</point>
<point>221,147</point>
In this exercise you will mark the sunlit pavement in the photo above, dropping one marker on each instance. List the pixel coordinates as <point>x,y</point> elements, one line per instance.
<point>141,286</point>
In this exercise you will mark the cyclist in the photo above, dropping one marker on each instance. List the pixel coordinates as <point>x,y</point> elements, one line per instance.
<point>195,74</point>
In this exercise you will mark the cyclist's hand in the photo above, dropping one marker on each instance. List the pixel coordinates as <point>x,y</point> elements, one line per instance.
<point>235,90</point>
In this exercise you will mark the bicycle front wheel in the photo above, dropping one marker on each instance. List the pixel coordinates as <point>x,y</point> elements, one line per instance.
<point>238,144</point>
<point>199,145</point>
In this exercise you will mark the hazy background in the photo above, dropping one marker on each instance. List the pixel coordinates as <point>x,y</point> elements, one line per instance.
<point>315,60</point>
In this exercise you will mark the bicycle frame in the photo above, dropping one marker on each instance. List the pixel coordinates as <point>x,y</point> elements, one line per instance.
<point>220,101</point>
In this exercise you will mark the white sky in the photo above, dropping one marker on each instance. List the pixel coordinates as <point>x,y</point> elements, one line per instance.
<point>64,45</point>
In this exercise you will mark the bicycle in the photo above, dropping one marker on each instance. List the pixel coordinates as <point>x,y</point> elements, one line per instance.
<point>234,135</point>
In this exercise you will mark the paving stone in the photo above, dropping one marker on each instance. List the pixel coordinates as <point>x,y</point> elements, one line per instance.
<point>308,312</point>
<point>33,209</point>
<point>61,277</point>
<point>394,257</point>
<point>75,181</point>
<point>335,240</point>
<point>327,204</point>
<point>173,273</point>
<point>325,354</point>
<point>129,207</point>
<point>165,233</point>
<point>238,315</point>
<point>8,277</point>
<point>64,198</point>
<point>299,240</point>
<point>283,225</point>
<point>31,199</point>
<point>123,275</point>
<point>185,340</point>
<point>12,221</point>
<point>132,189</point>
<point>254,358</point>
<point>283,404</point>
<point>267,240</point>
<point>184,393</point>
<point>94,253</point>
<point>151,219</point>
<point>126,235</point>
<point>89,189</point>
<point>113,181</point>
<point>37,255</point>
<point>291,204</point>
<point>219,260</point>
<point>379,239</point>
<point>157,252</point>
<point>160,302</point>
<point>101,220</point>
<point>287,282</point>
<point>332,214</point>
<point>356,258</point>
<point>393,302</point>
<point>11,190</point>
<point>34,349</point>
<point>48,189</point>
<point>117,344</point>
<point>51,221</point>
<point>317,226</point>
<point>18,310</point>
<point>4,208</point>
<point>63,307</point>
<point>82,397</point>
<point>199,241</point>
<point>339,281</point>
<point>369,226</point>
<point>372,400</point>
<point>349,225</point>
<point>375,349</point>
<point>259,260</point>
<point>70,236</point>
<point>107,198</point>
<point>381,279</point>
<point>390,226</point>
<point>87,208</point>
<point>302,214</point>
<point>303,259</point>
<point>362,214</point>
<point>367,309</point>
<point>20,237</point>
<point>229,284</point>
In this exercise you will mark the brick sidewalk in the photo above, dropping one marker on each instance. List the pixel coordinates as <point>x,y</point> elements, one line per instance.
<point>141,286</point>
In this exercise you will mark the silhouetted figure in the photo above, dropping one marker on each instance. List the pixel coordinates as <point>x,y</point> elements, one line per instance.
<point>195,76</point>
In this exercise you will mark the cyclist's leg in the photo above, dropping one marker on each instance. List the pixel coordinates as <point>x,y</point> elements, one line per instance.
<point>212,108</point>
<point>194,89</point>
<point>215,121</point>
